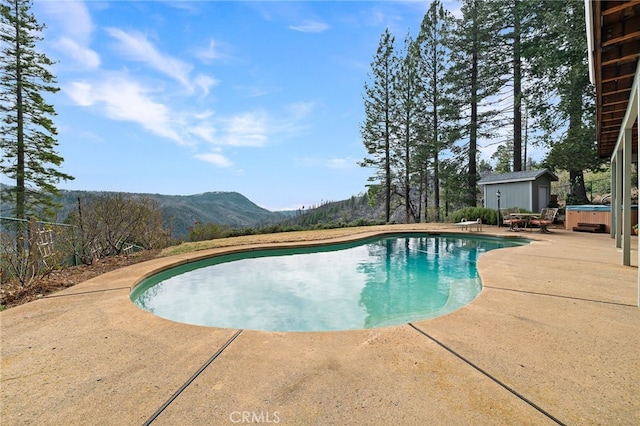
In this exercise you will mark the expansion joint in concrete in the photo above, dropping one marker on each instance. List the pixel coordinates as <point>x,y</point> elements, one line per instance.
<point>191,379</point>
<point>485,373</point>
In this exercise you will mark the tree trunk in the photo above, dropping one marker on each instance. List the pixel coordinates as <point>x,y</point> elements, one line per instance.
<point>578,189</point>
<point>436,186</point>
<point>426,192</point>
<point>576,177</point>
<point>517,92</point>
<point>387,165</point>
<point>20,166</point>
<point>473,131</point>
<point>407,163</point>
<point>420,194</point>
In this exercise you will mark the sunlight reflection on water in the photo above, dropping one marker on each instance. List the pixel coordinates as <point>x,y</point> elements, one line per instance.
<point>367,284</point>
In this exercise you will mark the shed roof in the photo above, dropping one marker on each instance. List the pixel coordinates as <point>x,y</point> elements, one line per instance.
<point>516,177</point>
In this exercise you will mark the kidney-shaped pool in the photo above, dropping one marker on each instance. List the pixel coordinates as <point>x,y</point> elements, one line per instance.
<point>377,282</point>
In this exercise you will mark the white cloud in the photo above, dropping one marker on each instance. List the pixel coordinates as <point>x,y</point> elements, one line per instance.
<point>309,26</point>
<point>80,93</point>
<point>204,115</point>
<point>75,28</point>
<point>122,99</point>
<point>300,109</point>
<point>205,131</point>
<point>330,163</point>
<point>205,83</point>
<point>208,54</point>
<point>340,163</point>
<point>135,46</point>
<point>247,129</point>
<point>118,97</point>
<point>251,91</point>
<point>216,159</point>
<point>83,56</point>
<point>73,17</point>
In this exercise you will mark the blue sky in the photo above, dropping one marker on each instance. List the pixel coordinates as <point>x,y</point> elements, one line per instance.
<point>180,97</point>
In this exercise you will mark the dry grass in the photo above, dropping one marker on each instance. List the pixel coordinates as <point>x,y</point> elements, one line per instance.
<point>299,236</point>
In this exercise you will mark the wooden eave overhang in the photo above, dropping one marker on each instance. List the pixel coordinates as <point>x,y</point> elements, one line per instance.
<point>615,49</point>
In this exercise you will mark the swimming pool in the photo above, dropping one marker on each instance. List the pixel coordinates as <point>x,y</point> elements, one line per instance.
<point>371,283</point>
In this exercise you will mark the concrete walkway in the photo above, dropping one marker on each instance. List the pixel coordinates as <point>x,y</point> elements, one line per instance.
<point>554,337</point>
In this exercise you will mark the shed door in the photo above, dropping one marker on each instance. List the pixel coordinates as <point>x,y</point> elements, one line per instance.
<point>543,197</point>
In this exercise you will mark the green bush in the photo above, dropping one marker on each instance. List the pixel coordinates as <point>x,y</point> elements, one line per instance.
<point>488,216</point>
<point>208,231</point>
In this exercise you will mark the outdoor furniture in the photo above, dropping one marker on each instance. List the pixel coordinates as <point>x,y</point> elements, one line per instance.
<point>545,220</point>
<point>512,218</point>
<point>527,219</point>
<point>465,224</point>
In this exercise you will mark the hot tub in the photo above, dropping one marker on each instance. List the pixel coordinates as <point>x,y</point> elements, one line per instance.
<point>592,213</point>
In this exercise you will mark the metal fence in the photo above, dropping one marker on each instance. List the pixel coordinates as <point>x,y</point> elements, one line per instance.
<point>29,247</point>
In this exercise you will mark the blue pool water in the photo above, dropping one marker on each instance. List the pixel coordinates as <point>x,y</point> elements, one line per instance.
<point>367,284</point>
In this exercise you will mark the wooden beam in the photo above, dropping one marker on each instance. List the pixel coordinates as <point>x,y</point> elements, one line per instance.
<point>616,92</point>
<point>623,101</point>
<point>621,60</point>
<point>618,8</point>
<point>611,132</point>
<point>617,77</point>
<point>622,38</point>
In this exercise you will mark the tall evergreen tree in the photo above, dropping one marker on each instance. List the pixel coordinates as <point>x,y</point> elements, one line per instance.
<point>503,159</point>
<point>407,122</point>
<point>434,59</point>
<point>376,130</point>
<point>519,32</point>
<point>560,62</point>
<point>28,131</point>
<point>477,74</point>
<point>512,17</point>
<point>452,182</point>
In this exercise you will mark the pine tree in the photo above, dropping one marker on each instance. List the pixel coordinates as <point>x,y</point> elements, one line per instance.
<point>376,130</point>
<point>407,118</point>
<point>28,131</point>
<point>519,33</point>
<point>517,88</point>
<point>559,62</point>
<point>503,159</point>
<point>434,59</point>
<point>477,74</point>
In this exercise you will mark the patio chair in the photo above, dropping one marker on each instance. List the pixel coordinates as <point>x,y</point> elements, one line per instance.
<point>547,216</point>
<point>514,222</point>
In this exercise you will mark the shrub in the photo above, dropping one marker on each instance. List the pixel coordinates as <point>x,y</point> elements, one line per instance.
<point>110,224</point>
<point>488,216</point>
<point>208,231</point>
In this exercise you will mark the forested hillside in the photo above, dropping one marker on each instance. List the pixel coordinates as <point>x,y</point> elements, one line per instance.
<point>355,211</point>
<point>180,212</point>
<point>234,210</point>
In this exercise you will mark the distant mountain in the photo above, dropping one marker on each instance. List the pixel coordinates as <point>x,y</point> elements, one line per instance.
<point>182,211</point>
<point>223,208</point>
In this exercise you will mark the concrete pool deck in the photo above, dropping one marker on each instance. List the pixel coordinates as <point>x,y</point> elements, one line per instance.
<point>554,337</point>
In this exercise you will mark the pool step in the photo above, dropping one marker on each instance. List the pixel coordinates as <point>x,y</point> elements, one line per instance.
<point>597,228</point>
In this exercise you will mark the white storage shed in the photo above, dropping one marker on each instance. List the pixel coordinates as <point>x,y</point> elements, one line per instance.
<point>529,190</point>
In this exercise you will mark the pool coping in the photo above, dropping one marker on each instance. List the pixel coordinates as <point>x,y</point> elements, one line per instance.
<point>526,350</point>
